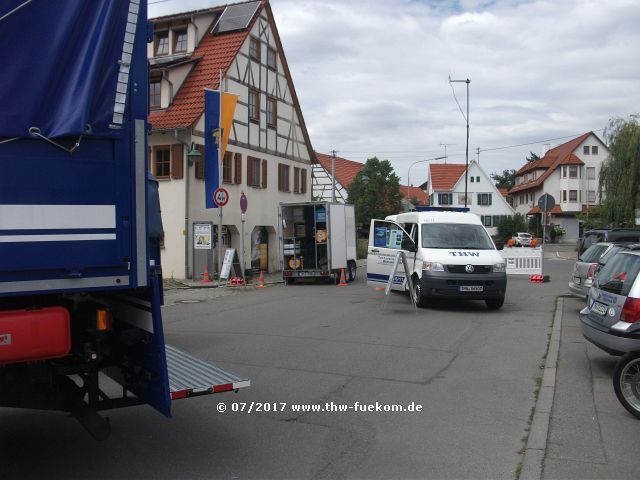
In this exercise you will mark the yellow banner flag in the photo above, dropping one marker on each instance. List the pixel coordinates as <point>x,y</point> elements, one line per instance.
<point>229,101</point>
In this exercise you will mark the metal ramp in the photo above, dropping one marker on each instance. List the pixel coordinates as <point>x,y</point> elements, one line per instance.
<point>190,376</point>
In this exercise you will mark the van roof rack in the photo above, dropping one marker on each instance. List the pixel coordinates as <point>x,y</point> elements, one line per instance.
<point>423,208</point>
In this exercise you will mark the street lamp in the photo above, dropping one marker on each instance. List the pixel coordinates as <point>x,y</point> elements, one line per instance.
<point>466,172</point>
<point>409,173</point>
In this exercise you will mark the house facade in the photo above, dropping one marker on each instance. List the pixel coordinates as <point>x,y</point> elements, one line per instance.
<point>269,158</point>
<point>446,187</point>
<point>570,173</point>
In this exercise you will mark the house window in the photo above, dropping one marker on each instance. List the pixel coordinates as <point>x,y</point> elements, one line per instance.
<point>573,196</point>
<point>237,177</point>
<point>591,173</point>
<point>591,196</point>
<point>564,171</point>
<point>594,150</point>
<point>162,43</point>
<point>162,162</point>
<point>477,179</point>
<point>585,150</point>
<point>272,112</point>
<point>472,179</point>
<point>180,41</point>
<point>445,199</point>
<point>227,167</point>
<point>573,171</point>
<point>253,172</point>
<point>155,97</point>
<point>254,106</point>
<point>283,177</point>
<point>254,48</point>
<point>296,180</point>
<point>564,195</point>
<point>271,58</point>
<point>486,220</point>
<point>484,199</point>
<point>461,199</point>
<point>303,180</point>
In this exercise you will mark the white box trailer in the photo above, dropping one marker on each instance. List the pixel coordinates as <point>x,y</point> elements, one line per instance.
<point>317,240</point>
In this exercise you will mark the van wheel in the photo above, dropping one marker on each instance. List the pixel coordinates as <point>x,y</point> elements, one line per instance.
<point>351,268</point>
<point>494,303</point>
<point>421,300</point>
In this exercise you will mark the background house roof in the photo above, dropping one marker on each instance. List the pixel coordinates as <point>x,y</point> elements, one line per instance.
<point>415,192</point>
<point>444,176</point>
<point>560,155</point>
<point>346,170</point>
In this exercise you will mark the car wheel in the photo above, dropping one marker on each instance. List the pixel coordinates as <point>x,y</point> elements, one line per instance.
<point>626,382</point>
<point>351,267</point>
<point>494,303</point>
<point>418,294</point>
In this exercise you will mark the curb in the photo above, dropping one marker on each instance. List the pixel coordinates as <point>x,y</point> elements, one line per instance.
<point>535,450</point>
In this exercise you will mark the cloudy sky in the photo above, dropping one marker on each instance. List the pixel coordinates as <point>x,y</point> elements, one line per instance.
<point>373,76</point>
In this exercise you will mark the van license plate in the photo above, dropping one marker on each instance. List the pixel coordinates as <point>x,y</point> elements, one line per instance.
<point>472,288</point>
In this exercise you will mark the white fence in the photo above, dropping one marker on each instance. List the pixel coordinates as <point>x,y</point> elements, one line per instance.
<point>523,261</point>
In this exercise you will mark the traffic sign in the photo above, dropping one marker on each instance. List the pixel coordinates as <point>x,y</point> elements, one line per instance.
<point>546,202</point>
<point>220,197</point>
<point>243,203</point>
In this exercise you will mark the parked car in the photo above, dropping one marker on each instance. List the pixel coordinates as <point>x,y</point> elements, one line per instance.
<point>585,268</point>
<point>607,235</point>
<point>611,319</point>
<point>522,239</point>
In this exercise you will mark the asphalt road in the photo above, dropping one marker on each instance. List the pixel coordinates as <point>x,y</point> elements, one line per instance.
<point>474,372</point>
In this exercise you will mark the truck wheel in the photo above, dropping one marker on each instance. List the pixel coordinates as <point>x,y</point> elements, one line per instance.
<point>351,267</point>
<point>494,303</point>
<point>421,300</point>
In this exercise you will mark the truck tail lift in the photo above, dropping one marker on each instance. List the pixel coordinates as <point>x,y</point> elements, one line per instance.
<point>80,227</point>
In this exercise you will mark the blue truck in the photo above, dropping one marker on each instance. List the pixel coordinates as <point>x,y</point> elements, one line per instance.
<point>80,223</point>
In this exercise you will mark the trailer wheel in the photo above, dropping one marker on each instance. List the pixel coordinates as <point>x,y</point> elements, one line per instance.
<point>351,267</point>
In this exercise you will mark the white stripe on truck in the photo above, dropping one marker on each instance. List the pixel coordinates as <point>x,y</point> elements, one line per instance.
<point>56,217</point>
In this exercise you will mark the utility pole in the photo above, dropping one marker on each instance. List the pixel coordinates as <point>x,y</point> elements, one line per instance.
<point>445,145</point>
<point>333,176</point>
<point>466,172</point>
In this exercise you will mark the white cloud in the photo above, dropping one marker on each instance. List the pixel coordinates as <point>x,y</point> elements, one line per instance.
<point>372,75</point>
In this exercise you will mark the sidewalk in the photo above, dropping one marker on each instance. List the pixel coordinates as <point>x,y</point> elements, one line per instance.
<point>579,429</point>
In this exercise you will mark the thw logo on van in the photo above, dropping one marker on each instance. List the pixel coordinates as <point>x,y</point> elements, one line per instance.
<point>464,254</point>
<point>5,339</point>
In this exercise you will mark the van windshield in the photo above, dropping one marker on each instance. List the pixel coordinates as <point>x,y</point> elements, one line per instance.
<point>455,235</point>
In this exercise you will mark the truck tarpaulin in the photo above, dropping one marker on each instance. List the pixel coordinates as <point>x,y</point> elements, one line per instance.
<point>68,77</point>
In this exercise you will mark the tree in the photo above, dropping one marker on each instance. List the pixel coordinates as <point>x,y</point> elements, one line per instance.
<point>532,157</point>
<point>620,173</point>
<point>375,191</point>
<point>506,179</point>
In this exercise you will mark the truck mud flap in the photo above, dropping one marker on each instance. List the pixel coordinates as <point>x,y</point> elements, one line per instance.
<point>190,377</point>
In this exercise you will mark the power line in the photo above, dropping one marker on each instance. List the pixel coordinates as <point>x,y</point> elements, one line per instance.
<point>534,143</point>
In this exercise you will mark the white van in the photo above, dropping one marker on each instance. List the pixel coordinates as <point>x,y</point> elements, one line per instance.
<point>450,255</point>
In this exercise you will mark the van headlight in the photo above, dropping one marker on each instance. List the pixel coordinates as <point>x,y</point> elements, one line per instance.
<point>432,267</point>
<point>499,268</point>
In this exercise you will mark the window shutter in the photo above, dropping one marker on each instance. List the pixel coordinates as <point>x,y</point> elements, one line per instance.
<point>280,177</point>
<point>303,180</point>
<point>177,162</point>
<point>489,199</point>
<point>238,168</point>
<point>264,173</point>
<point>249,171</point>
<point>200,163</point>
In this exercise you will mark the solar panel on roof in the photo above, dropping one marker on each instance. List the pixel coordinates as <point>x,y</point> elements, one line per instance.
<point>236,17</point>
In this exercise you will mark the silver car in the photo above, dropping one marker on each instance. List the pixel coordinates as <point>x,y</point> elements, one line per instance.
<point>522,239</point>
<point>611,319</point>
<point>585,268</point>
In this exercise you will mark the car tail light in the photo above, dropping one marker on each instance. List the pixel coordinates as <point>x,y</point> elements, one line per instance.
<point>593,269</point>
<point>631,310</point>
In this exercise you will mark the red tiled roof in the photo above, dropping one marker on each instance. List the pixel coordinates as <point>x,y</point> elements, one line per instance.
<point>346,170</point>
<point>415,192</point>
<point>504,191</point>
<point>556,209</point>
<point>571,160</point>
<point>445,175</point>
<point>217,52</point>
<point>552,159</point>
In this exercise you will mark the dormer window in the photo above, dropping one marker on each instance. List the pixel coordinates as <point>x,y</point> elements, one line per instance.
<point>254,48</point>
<point>162,43</point>
<point>180,41</point>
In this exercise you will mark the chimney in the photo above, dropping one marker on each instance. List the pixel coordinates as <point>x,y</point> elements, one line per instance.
<point>545,148</point>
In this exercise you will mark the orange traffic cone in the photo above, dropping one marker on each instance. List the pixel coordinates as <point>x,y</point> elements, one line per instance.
<point>343,281</point>
<point>205,276</point>
<point>261,280</point>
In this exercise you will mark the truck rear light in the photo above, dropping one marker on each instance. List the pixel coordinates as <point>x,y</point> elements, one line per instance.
<point>631,310</point>
<point>593,269</point>
<point>104,320</point>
